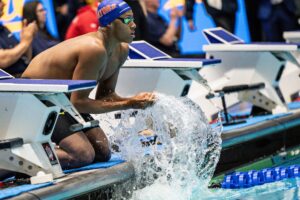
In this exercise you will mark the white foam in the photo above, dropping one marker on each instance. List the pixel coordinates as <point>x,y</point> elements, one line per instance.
<point>190,152</point>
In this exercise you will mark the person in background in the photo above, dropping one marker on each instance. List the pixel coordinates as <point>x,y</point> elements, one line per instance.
<point>189,14</point>
<point>62,17</point>
<point>35,11</point>
<point>75,5</point>
<point>65,12</point>
<point>297,10</point>
<point>85,21</point>
<point>276,17</point>
<point>139,11</point>
<point>15,55</point>
<point>161,34</point>
<point>222,12</point>
<point>254,23</point>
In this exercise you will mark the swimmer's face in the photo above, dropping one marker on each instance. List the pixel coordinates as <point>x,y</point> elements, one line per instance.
<point>2,4</point>
<point>125,27</point>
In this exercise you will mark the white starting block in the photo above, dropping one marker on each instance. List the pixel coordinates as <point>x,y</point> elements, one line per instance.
<point>249,64</point>
<point>292,36</point>
<point>149,69</point>
<point>29,110</point>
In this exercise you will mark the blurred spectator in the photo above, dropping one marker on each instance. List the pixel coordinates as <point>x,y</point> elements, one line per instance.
<point>222,12</point>
<point>189,14</point>
<point>62,17</point>
<point>276,17</point>
<point>15,55</point>
<point>254,23</point>
<point>65,11</point>
<point>75,5</point>
<point>34,11</point>
<point>85,21</point>
<point>139,12</point>
<point>161,34</point>
<point>297,9</point>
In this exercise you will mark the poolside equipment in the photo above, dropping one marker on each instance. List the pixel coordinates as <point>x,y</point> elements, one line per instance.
<point>150,69</point>
<point>273,64</point>
<point>233,89</point>
<point>171,76</point>
<point>29,110</point>
<point>292,36</point>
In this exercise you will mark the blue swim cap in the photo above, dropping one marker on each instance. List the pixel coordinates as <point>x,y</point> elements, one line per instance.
<point>109,10</point>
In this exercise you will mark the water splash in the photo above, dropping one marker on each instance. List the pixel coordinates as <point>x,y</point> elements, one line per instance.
<point>185,160</point>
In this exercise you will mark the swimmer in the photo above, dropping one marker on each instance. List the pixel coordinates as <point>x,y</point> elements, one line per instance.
<point>93,56</point>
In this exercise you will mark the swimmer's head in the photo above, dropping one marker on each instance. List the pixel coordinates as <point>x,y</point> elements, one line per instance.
<point>109,10</point>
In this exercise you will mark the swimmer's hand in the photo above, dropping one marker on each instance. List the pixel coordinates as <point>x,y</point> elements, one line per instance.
<point>143,100</point>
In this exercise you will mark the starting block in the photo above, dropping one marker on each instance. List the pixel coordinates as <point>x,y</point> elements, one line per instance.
<point>29,111</point>
<point>251,64</point>
<point>150,69</point>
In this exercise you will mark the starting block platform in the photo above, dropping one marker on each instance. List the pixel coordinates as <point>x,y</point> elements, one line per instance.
<point>148,69</point>
<point>10,84</point>
<point>144,55</point>
<point>36,85</point>
<point>30,111</point>
<point>273,64</point>
<point>292,36</point>
<point>30,108</point>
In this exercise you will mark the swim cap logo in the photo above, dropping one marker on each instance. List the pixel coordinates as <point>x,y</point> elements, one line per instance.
<point>106,9</point>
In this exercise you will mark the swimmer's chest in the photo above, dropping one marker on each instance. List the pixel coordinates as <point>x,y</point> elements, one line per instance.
<point>109,68</point>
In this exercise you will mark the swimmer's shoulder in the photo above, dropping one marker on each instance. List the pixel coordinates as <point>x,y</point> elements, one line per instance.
<point>89,43</point>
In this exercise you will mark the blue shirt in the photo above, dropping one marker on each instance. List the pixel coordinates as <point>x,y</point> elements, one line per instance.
<point>41,42</point>
<point>157,27</point>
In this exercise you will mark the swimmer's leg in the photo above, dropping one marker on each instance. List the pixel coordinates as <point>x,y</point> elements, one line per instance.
<point>100,144</point>
<point>75,151</point>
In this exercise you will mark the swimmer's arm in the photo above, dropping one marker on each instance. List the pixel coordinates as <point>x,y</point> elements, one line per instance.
<point>107,93</point>
<point>107,100</point>
<point>88,66</point>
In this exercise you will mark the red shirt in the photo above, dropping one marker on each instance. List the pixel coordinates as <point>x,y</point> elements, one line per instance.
<point>85,22</point>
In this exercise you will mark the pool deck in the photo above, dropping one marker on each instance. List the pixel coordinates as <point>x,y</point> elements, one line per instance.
<point>75,185</point>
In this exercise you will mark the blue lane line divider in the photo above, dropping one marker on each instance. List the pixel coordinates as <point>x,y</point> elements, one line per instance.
<point>252,178</point>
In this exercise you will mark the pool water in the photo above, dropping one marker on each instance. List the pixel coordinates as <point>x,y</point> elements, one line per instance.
<point>183,166</point>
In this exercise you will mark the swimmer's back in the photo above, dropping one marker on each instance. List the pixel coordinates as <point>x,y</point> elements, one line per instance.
<point>60,61</point>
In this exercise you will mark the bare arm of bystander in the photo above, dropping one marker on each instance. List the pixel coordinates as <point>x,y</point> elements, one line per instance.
<point>10,56</point>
